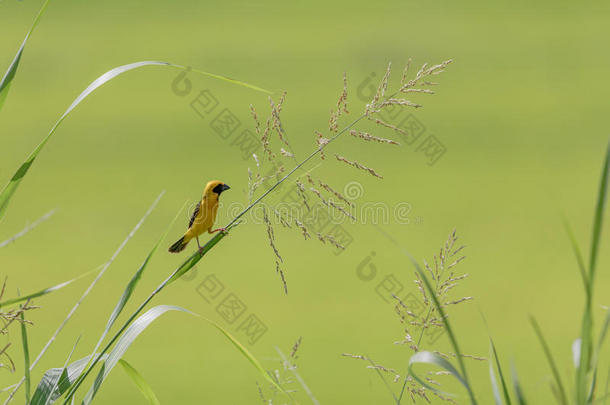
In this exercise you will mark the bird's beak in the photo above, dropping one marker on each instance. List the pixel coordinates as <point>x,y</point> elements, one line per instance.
<point>225,187</point>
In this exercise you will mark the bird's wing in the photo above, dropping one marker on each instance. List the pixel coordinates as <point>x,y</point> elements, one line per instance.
<point>192,221</point>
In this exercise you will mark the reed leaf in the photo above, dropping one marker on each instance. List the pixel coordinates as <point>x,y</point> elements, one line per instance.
<point>26,358</point>
<point>99,275</point>
<point>27,229</point>
<point>517,387</point>
<point>563,399</point>
<point>47,401</point>
<point>500,373</point>
<point>56,381</point>
<point>599,215</point>
<point>126,340</point>
<point>44,291</point>
<point>8,77</point>
<point>142,323</point>
<point>140,382</point>
<point>435,360</point>
<point>577,253</point>
<point>131,286</point>
<point>494,382</point>
<point>10,188</point>
<point>587,320</point>
<point>249,356</point>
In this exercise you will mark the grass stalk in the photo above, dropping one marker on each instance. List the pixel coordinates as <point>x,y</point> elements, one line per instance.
<point>84,295</point>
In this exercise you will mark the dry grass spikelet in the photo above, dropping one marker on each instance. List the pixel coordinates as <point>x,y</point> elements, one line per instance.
<point>265,141</point>
<point>275,116</point>
<point>358,166</point>
<point>301,192</point>
<point>322,142</point>
<point>303,229</point>
<point>257,124</point>
<point>284,152</point>
<point>334,242</point>
<point>368,137</point>
<point>271,234</point>
<point>280,218</point>
<point>279,270</point>
<point>335,193</point>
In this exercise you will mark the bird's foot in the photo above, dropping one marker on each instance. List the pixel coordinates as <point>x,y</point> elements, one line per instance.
<point>221,230</point>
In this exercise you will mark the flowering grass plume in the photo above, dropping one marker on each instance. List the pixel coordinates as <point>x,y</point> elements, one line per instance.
<point>420,319</point>
<point>318,193</point>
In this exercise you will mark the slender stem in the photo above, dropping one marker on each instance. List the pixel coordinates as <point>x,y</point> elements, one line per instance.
<point>294,169</point>
<point>193,259</point>
<point>84,295</point>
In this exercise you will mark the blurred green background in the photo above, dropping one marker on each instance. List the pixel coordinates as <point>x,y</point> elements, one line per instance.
<point>521,112</point>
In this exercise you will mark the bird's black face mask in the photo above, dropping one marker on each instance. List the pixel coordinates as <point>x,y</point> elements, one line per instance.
<point>220,188</point>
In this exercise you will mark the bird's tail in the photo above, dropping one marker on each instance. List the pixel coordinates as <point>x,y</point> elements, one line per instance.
<point>179,245</point>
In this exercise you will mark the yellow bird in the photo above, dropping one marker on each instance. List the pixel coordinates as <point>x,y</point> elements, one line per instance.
<point>204,216</point>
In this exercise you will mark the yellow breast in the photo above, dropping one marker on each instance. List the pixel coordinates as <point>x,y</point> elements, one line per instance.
<point>205,217</point>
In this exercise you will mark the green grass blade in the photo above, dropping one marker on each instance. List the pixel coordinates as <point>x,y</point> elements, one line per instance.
<point>189,263</point>
<point>592,388</point>
<point>26,358</point>
<point>607,394</point>
<point>599,215</point>
<point>500,373</point>
<point>604,330</point>
<point>27,229</point>
<point>181,270</point>
<point>547,352</point>
<point>131,286</point>
<point>577,253</point>
<point>596,353</point>
<point>64,370</point>
<point>56,381</point>
<point>587,320</point>
<point>225,78</point>
<point>517,387</point>
<point>125,341</point>
<point>8,191</point>
<point>494,382</point>
<point>249,356</point>
<point>140,382</point>
<point>8,77</point>
<point>435,360</point>
<point>99,275</point>
<point>127,338</point>
<point>42,292</point>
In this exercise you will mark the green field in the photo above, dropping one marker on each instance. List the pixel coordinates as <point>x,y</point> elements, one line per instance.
<point>520,111</point>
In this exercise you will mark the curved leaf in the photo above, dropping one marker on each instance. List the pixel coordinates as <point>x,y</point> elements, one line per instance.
<point>494,383</point>
<point>56,381</point>
<point>128,337</point>
<point>435,360</point>
<point>8,191</point>
<point>131,286</point>
<point>517,387</point>
<point>140,382</point>
<point>561,393</point>
<point>123,344</point>
<point>500,373</point>
<point>26,358</point>
<point>5,84</point>
<point>44,291</point>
